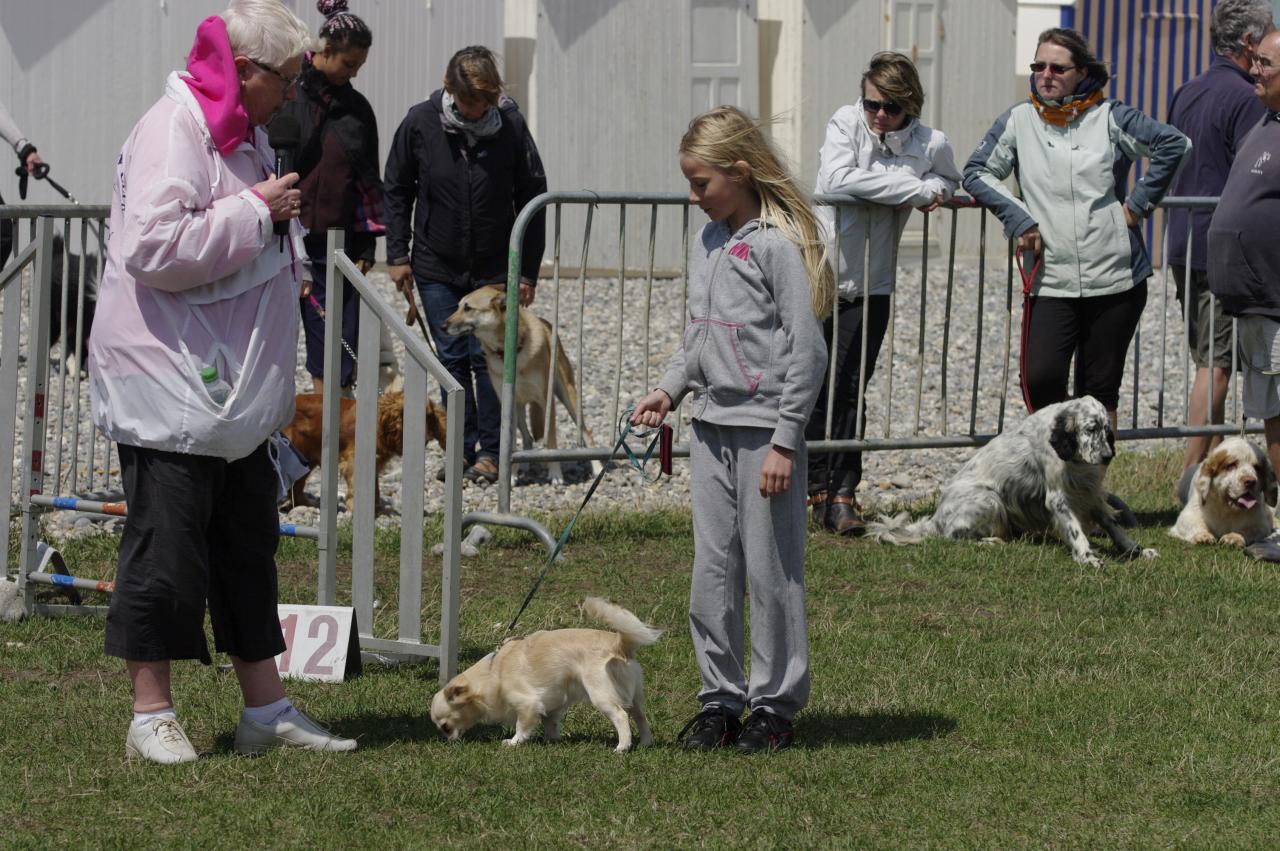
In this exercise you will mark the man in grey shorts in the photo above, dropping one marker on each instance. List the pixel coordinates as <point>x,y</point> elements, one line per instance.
<point>1244,255</point>
<point>1216,111</point>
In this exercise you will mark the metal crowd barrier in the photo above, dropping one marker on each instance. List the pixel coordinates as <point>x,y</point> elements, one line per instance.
<point>375,311</point>
<point>964,378</point>
<point>54,422</point>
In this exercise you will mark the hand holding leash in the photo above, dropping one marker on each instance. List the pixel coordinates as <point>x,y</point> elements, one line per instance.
<point>652,409</point>
<point>1030,241</point>
<point>624,430</point>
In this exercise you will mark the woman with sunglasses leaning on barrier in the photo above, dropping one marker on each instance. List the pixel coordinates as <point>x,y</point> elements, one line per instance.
<point>196,281</point>
<point>877,151</point>
<point>1079,238</point>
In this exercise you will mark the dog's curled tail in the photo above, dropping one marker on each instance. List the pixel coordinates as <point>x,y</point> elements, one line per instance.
<point>899,529</point>
<point>635,632</point>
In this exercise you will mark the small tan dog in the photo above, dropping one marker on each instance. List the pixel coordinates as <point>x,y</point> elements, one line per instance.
<point>1226,504</point>
<point>537,678</point>
<point>483,312</point>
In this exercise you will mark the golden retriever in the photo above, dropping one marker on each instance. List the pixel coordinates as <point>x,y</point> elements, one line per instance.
<point>483,312</point>
<point>305,431</point>
<point>1227,503</point>
<point>535,679</point>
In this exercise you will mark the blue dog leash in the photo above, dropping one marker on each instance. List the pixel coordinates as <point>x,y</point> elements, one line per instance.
<point>625,430</point>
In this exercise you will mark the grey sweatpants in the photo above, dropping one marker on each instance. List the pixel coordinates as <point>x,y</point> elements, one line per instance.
<point>742,539</point>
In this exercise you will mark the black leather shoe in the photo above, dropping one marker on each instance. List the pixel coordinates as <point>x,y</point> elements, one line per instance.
<point>764,731</point>
<point>843,517</point>
<point>711,728</point>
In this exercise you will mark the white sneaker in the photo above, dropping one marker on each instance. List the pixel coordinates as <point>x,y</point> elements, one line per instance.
<point>159,740</point>
<point>298,730</point>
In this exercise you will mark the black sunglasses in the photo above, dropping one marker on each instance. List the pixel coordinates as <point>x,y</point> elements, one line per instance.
<point>289,82</point>
<point>890,108</point>
<point>1038,68</point>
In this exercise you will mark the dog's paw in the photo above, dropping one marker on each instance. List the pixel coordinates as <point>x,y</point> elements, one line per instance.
<point>1232,539</point>
<point>991,541</point>
<point>1088,558</point>
<point>1203,537</point>
<point>513,741</point>
<point>621,748</point>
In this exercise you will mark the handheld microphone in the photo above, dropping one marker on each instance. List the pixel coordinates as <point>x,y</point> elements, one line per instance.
<point>283,135</point>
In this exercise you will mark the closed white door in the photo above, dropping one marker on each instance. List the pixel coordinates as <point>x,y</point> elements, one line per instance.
<point>914,27</point>
<point>723,55</point>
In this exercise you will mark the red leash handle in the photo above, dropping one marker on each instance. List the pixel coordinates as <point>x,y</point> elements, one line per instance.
<point>1026,323</point>
<point>1027,280</point>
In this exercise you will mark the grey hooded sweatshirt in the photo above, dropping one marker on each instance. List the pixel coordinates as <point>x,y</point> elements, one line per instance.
<point>753,352</point>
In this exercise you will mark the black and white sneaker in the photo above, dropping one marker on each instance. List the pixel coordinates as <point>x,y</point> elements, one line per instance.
<point>711,728</point>
<point>764,731</point>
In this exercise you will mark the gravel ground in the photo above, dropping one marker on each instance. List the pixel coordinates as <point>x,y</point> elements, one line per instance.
<point>590,330</point>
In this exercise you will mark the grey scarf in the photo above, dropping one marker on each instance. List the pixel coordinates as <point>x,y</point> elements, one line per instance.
<point>453,122</point>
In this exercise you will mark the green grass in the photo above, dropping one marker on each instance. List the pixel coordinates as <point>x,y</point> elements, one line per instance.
<point>963,696</point>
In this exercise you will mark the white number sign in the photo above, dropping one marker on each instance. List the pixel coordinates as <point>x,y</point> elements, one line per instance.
<point>321,643</point>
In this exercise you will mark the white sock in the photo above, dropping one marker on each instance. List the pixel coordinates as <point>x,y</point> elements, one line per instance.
<point>142,719</point>
<point>270,713</point>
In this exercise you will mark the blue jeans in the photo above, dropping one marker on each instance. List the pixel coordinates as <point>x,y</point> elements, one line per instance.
<point>313,325</point>
<point>464,358</point>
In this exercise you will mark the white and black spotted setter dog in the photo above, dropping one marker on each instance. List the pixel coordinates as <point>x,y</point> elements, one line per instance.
<point>1045,475</point>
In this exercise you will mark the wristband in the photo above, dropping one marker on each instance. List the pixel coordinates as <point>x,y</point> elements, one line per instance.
<point>26,151</point>
<point>399,261</point>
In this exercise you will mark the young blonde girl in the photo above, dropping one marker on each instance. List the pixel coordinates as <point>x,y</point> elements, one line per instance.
<point>753,359</point>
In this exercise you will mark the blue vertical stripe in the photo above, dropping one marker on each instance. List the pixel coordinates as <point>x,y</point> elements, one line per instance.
<point>1114,47</point>
<point>1068,17</point>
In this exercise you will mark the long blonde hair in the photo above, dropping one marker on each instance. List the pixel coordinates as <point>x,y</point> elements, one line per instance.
<point>726,135</point>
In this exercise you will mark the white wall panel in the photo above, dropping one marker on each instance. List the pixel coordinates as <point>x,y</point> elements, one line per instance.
<point>78,74</point>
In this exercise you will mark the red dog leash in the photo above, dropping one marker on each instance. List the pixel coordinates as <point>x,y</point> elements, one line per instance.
<point>1026,322</point>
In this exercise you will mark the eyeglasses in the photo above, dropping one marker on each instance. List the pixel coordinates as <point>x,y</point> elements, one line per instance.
<point>890,108</point>
<point>1038,68</point>
<point>289,82</point>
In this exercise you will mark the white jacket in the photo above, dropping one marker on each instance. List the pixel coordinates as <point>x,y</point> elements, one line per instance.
<point>910,166</point>
<point>194,276</point>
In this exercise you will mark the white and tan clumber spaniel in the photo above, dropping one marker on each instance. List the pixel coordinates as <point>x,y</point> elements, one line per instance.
<point>1044,475</point>
<point>1227,501</point>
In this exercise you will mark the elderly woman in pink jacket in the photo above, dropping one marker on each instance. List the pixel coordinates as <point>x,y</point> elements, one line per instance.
<point>192,366</point>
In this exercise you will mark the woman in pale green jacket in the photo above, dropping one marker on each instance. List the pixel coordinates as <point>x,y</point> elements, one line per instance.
<point>1071,149</point>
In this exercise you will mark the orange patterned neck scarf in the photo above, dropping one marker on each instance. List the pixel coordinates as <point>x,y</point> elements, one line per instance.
<point>1061,116</point>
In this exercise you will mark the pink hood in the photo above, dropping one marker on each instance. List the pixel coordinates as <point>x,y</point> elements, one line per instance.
<point>215,84</point>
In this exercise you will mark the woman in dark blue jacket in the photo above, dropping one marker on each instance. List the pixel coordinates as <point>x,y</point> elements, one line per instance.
<point>462,165</point>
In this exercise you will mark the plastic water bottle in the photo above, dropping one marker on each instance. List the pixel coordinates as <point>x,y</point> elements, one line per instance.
<point>217,389</point>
